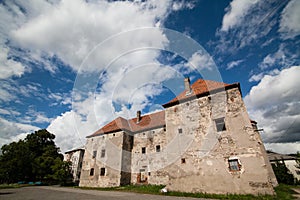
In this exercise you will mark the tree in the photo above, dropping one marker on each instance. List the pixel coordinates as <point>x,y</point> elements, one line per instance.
<point>32,159</point>
<point>282,173</point>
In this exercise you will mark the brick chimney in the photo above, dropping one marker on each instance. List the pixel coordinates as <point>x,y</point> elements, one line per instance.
<point>138,116</point>
<point>187,86</point>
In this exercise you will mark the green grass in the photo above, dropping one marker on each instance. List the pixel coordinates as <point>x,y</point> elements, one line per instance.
<point>283,192</point>
<point>5,186</point>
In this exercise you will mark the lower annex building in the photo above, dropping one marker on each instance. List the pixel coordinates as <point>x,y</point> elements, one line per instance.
<point>203,141</point>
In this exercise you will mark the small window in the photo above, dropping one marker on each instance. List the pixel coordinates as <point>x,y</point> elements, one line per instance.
<point>143,150</point>
<point>114,135</point>
<point>234,165</point>
<point>157,148</point>
<point>220,124</point>
<point>149,173</point>
<point>182,160</point>
<point>180,130</point>
<point>165,128</point>
<point>92,172</point>
<point>102,153</point>
<point>94,154</point>
<point>102,171</point>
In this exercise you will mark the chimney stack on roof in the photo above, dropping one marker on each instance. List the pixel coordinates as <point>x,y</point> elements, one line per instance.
<point>187,86</point>
<point>138,116</point>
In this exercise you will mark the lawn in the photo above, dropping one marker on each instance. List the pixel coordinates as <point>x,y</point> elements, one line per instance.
<point>283,192</point>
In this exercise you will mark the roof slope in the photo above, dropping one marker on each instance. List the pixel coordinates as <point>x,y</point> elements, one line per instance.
<point>150,121</point>
<point>199,88</point>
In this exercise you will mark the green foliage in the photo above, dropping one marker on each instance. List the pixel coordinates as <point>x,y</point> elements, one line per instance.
<point>36,158</point>
<point>282,173</point>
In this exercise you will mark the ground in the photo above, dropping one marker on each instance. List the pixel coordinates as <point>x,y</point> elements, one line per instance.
<point>60,193</point>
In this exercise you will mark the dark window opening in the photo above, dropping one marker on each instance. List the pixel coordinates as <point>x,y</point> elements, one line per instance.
<point>180,130</point>
<point>220,124</point>
<point>157,148</point>
<point>114,135</point>
<point>234,165</point>
<point>92,172</point>
<point>102,171</point>
<point>143,150</point>
<point>94,154</point>
<point>102,153</point>
<point>182,160</point>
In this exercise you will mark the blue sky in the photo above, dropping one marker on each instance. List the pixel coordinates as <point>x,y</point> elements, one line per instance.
<point>72,66</point>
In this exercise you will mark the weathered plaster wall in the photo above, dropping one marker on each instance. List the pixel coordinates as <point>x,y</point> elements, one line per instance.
<point>206,167</point>
<point>151,162</point>
<point>112,143</point>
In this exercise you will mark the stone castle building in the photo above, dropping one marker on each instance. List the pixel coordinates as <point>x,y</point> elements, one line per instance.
<point>203,141</point>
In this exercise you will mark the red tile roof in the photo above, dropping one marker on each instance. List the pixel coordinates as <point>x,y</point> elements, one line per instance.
<point>150,121</point>
<point>200,88</point>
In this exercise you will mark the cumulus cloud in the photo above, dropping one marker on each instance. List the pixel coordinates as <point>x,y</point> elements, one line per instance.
<point>289,23</point>
<point>12,131</point>
<point>236,12</point>
<point>87,24</point>
<point>274,103</point>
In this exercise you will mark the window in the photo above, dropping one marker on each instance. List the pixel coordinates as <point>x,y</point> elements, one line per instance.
<point>182,160</point>
<point>94,154</point>
<point>157,148</point>
<point>102,171</point>
<point>92,172</point>
<point>102,153</point>
<point>220,124</point>
<point>180,130</point>
<point>143,150</point>
<point>234,165</point>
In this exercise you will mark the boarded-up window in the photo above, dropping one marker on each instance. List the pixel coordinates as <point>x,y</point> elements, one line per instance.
<point>102,171</point>
<point>102,153</point>
<point>234,165</point>
<point>220,124</point>
<point>92,172</point>
<point>143,175</point>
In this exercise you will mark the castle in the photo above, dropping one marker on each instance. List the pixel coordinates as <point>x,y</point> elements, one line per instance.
<point>203,141</point>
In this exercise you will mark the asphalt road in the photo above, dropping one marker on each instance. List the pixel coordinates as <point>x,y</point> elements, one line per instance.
<point>61,193</point>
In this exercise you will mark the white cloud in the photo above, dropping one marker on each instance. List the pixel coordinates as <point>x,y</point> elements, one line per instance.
<point>283,57</point>
<point>13,131</point>
<point>245,23</point>
<point>9,67</point>
<point>86,25</point>
<point>258,77</point>
<point>233,64</point>
<point>284,148</point>
<point>201,60</point>
<point>70,130</point>
<point>289,23</point>
<point>236,12</point>
<point>274,104</point>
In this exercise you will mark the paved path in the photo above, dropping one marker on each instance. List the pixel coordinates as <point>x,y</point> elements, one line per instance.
<point>61,193</point>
